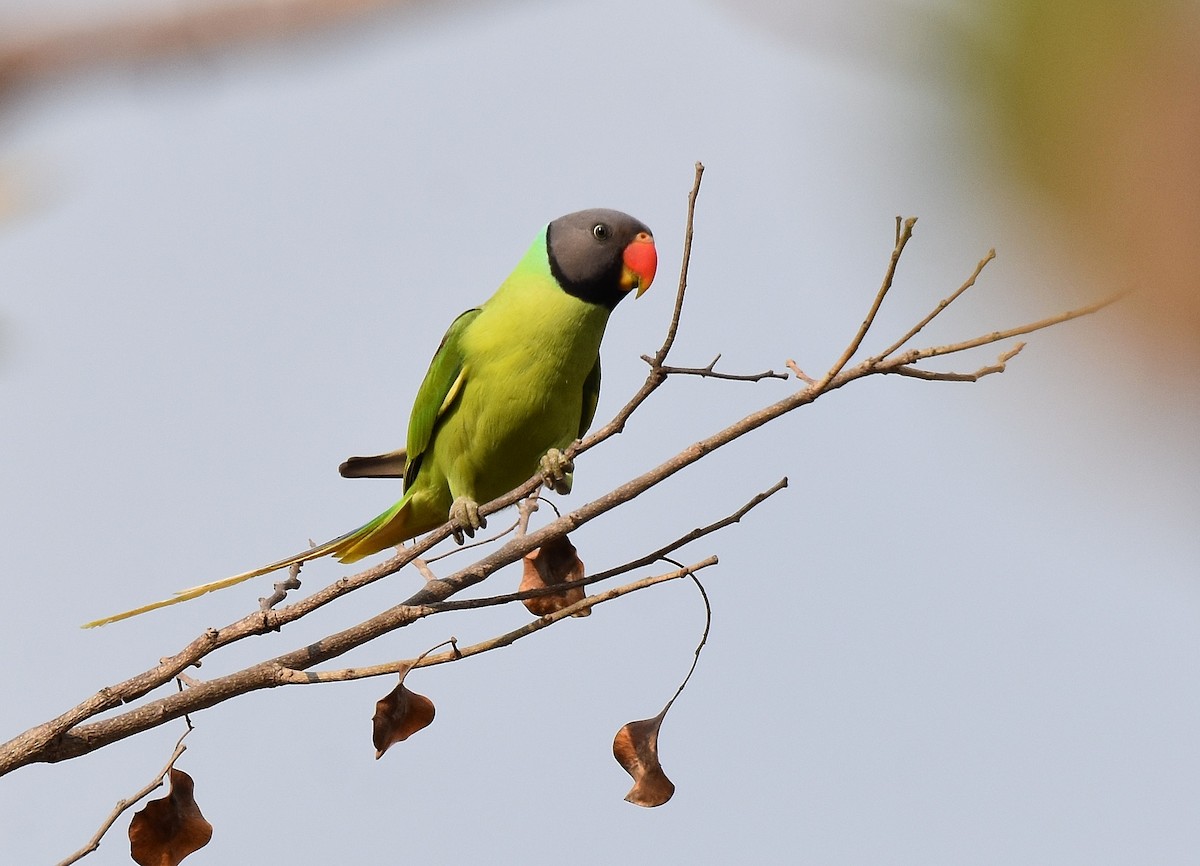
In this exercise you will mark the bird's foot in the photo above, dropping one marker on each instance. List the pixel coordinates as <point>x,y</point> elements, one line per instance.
<point>465,516</point>
<point>556,471</point>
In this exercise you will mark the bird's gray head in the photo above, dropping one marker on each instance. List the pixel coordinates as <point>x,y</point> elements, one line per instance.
<point>599,255</point>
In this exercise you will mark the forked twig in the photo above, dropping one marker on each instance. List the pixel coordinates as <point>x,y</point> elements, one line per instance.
<point>988,370</point>
<point>904,231</point>
<point>913,355</point>
<point>709,372</point>
<point>941,306</point>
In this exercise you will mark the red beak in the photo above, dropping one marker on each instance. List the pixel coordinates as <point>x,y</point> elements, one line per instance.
<point>641,261</point>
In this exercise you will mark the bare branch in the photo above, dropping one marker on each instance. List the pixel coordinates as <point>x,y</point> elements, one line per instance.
<point>903,236</point>
<point>478,542</point>
<point>710,373</point>
<point>694,535</point>
<point>942,305</point>
<point>306,678</point>
<point>280,589</point>
<point>624,568</point>
<point>123,805</point>
<point>800,374</point>
<point>508,638</point>
<point>570,611</point>
<point>67,736</point>
<point>673,328</point>
<point>997,336</point>
<point>934,376</point>
<point>423,569</point>
<point>656,376</point>
<point>525,510</point>
<point>84,738</point>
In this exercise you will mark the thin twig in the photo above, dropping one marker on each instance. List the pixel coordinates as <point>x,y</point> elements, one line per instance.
<point>903,236</point>
<point>624,568</point>
<point>123,805</point>
<point>695,534</point>
<point>673,328</point>
<point>280,590</point>
<point>571,610</point>
<point>710,373</point>
<point>936,376</point>
<point>525,509</point>
<point>479,542</point>
<point>941,306</point>
<point>655,377</point>
<point>913,355</point>
<point>296,677</point>
<point>699,646</point>
<point>800,374</point>
<point>423,569</point>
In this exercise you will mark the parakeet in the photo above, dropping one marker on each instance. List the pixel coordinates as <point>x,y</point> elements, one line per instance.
<point>513,383</point>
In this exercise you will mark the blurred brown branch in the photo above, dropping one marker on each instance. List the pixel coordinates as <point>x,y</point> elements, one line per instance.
<point>186,29</point>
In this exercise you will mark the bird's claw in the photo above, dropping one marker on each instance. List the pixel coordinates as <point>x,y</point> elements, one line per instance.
<point>465,516</point>
<point>556,471</point>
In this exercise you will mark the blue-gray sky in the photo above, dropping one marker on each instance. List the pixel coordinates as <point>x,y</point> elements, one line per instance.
<point>969,631</point>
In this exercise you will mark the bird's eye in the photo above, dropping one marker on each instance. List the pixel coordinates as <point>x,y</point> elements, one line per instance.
<point>600,230</point>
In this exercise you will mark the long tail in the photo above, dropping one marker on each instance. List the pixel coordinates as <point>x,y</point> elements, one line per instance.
<point>386,530</point>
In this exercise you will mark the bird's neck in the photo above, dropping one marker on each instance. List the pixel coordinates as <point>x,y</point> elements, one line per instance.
<point>532,301</point>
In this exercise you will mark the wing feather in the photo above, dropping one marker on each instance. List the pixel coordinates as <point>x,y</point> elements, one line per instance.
<point>591,397</point>
<point>437,393</point>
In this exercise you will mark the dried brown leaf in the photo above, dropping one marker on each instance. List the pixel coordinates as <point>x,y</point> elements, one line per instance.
<point>398,716</point>
<point>167,830</point>
<point>636,749</point>
<point>553,563</point>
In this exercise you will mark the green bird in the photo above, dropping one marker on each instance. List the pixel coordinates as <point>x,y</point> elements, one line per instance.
<point>513,383</point>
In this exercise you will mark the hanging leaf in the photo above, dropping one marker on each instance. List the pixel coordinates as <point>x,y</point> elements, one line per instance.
<point>636,745</point>
<point>636,749</point>
<point>398,716</point>
<point>553,563</point>
<point>167,830</point>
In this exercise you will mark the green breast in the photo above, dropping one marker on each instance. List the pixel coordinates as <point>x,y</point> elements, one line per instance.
<point>527,355</point>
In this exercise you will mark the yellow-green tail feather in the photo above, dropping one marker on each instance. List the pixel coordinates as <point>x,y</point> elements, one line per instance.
<point>387,530</point>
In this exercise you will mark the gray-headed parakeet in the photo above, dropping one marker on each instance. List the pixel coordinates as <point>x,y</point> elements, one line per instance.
<point>513,382</point>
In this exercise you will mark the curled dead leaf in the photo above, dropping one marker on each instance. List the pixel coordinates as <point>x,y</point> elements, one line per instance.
<point>398,716</point>
<point>167,830</point>
<point>553,563</point>
<point>636,749</point>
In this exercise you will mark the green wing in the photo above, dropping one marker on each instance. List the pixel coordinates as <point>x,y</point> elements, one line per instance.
<point>437,393</point>
<point>591,397</point>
